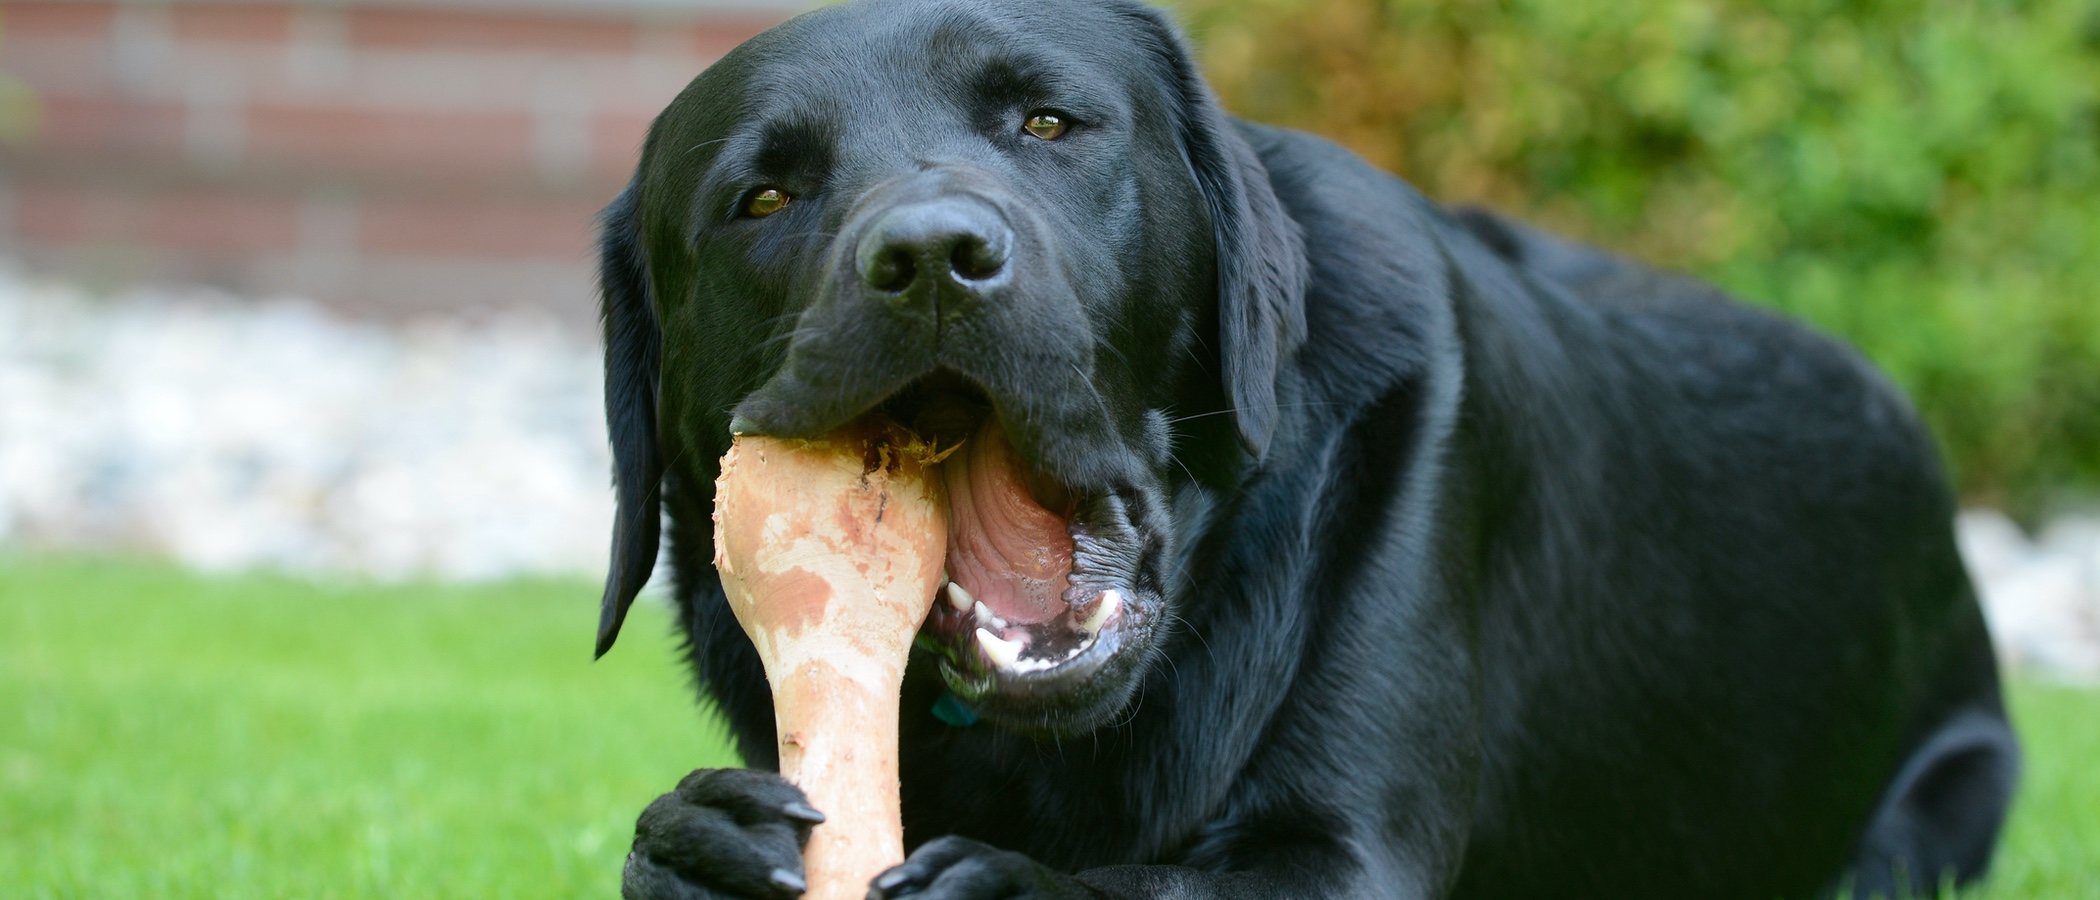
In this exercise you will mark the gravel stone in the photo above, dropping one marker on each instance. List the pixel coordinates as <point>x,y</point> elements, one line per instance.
<point>230,433</point>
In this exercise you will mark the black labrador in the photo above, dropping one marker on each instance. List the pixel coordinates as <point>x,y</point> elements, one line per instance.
<point>1393,551</point>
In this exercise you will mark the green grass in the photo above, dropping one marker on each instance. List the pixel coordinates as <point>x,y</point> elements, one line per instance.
<point>2052,846</point>
<point>167,734</point>
<point>163,734</point>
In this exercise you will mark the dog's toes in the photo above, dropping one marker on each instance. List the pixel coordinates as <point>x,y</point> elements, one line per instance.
<point>721,833</point>
<point>954,868</point>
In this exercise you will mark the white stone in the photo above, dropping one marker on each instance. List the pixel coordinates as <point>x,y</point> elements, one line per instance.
<point>230,433</point>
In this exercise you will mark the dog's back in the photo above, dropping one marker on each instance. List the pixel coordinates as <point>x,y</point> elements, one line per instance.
<point>1769,523</point>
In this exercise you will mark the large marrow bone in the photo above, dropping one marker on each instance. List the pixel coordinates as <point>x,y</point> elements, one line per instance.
<point>830,551</point>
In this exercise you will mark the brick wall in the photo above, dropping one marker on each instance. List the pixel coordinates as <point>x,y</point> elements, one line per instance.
<point>386,157</point>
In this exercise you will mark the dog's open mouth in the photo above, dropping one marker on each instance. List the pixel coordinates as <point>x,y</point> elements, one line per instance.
<point>1037,571</point>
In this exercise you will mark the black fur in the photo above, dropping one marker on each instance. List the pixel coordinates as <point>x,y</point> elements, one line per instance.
<point>632,351</point>
<point>1463,561</point>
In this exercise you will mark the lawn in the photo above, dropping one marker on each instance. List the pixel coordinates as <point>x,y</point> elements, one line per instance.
<point>167,734</point>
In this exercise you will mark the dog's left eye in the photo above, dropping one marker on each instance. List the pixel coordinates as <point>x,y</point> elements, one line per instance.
<point>1046,125</point>
<point>766,202</point>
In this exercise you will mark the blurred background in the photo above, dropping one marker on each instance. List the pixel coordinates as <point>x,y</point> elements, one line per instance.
<point>302,474</point>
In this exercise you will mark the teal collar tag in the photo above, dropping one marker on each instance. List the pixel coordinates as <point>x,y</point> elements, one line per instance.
<point>951,710</point>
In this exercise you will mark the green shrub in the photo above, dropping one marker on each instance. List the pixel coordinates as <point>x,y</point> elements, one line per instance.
<point>1919,178</point>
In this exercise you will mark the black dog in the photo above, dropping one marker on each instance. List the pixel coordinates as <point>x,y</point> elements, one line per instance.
<point>1396,552</point>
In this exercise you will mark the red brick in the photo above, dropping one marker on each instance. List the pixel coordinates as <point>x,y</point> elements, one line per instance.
<point>114,126</point>
<point>221,223</point>
<point>417,285</point>
<point>23,21</point>
<point>215,224</point>
<point>411,143</point>
<point>479,80</point>
<point>425,29</point>
<point>715,37</point>
<point>238,23</point>
<point>616,143</point>
<point>477,227</point>
<point>58,215</point>
<point>58,66</point>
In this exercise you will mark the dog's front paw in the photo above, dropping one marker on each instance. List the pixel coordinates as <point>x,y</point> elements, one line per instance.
<point>953,868</point>
<point>722,833</point>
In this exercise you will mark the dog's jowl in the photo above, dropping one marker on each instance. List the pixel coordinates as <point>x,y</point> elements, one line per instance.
<point>1309,539</point>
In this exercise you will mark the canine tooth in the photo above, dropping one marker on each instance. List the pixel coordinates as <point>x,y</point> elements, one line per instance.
<point>1104,609</point>
<point>1004,653</point>
<point>958,598</point>
<point>984,614</point>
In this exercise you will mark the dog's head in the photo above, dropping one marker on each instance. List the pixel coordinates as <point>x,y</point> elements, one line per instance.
<point>1026,226</point>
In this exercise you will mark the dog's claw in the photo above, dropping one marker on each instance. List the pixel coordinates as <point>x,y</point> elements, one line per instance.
<point>787,880</point>
<point>887,882</point>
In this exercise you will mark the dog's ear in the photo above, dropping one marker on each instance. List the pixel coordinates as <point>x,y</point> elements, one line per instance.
<point>1260,250</point>
<point>633,349</point>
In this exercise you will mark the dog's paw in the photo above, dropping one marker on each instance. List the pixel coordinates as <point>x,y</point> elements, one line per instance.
<point>953,868</point>
<point>722,833</point>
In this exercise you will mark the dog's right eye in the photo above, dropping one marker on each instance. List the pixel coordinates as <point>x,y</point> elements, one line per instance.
<point>765,202</point>
<point>1046,124</point>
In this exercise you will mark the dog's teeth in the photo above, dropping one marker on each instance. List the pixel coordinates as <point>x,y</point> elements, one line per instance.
<point>1104,609</point>
<point>1004,653</point>
<point>985,615</point>
<point>960,599</point>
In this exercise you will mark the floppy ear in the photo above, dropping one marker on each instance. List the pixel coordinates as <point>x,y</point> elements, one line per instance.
<point>633,348</point>
<point>1260,250</point>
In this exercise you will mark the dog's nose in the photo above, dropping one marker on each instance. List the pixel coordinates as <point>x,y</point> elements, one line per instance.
<point>934,242</point>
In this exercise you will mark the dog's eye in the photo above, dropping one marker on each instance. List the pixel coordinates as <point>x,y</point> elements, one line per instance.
<point>1046,125</point>
<point>766,202</point>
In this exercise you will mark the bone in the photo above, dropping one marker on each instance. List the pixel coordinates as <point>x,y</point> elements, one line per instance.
<point>830,552</point>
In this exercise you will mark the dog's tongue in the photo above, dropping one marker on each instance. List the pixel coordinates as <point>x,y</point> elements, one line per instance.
<point>1003,546</point>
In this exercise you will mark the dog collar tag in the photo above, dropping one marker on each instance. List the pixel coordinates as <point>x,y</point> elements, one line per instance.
<point>951,710</point>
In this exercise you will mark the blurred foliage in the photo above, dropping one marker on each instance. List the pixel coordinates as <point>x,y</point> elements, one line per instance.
<point>1920,178</point>
<point>17,108</point>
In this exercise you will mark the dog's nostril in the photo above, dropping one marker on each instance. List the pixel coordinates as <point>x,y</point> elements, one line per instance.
<point>929,244</point>
<point>976,258</point>
<point>891,270</point>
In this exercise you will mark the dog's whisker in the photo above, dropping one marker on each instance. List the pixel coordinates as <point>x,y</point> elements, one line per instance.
<point>1230,410</point>
<point>1182,465</point>
<point>702,144</point>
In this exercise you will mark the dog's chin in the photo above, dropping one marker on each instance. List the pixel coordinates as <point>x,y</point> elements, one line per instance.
<point>1044,620</point>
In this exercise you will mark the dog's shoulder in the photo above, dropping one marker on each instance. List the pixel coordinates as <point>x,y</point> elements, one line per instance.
<point>1703,336</point>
